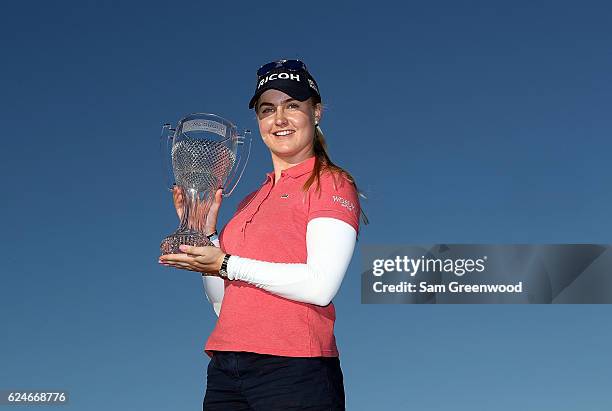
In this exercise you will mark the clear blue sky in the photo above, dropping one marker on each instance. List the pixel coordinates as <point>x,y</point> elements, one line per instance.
<point>479,121</point>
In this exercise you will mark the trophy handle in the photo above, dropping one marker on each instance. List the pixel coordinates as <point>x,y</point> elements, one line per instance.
<point>165,145</point>
<point>243,150</point>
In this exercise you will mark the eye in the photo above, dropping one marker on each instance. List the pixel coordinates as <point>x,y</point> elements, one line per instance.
<point>293,106</point>
<point>265,110</point>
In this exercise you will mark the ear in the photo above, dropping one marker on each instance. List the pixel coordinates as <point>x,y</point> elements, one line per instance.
<point>318,112</point>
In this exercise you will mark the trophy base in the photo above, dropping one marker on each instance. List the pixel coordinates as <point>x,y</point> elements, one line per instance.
<point>170,244</point>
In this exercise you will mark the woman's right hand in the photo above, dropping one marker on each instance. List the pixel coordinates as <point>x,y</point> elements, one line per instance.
<point>208,222</point>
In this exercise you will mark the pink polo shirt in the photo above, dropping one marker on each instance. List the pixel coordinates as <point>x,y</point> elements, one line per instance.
<point>270,225</point>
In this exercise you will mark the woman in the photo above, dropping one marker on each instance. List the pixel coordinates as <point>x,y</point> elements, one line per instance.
<point>282,258</point>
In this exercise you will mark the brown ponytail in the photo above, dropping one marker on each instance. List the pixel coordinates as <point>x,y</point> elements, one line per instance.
<point>324,163</point>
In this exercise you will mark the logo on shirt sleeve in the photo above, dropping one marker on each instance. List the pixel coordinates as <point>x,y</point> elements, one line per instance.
<point>344,202</point>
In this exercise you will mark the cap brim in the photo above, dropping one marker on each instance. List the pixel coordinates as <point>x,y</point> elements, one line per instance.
<point>288,87</point>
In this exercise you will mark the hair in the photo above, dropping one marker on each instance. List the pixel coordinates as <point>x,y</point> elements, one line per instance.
<point>324,163</point>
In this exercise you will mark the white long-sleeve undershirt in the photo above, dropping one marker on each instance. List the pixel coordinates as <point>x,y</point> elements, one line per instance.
<point>214,287</point>
<point>329,244</point>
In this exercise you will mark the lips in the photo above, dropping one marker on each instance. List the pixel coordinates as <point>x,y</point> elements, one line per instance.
<point>283,133</point>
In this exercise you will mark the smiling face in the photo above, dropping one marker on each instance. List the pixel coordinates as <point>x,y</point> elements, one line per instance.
<point>287,125</point>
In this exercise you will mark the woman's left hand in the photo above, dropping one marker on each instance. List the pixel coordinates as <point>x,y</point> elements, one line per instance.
<point>205,260</point>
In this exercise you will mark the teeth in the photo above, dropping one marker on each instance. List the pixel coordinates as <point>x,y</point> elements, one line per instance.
<point>283,133</point>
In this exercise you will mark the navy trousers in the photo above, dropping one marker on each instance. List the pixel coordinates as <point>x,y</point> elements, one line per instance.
<point>260,382</point>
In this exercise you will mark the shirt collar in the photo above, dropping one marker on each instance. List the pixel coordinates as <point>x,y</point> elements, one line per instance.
<point>297,170</point>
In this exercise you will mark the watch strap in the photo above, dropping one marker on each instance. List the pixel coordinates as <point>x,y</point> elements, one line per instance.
<point>223,269</point>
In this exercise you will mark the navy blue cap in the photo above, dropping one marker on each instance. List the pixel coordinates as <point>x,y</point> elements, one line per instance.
<point>298,84</point>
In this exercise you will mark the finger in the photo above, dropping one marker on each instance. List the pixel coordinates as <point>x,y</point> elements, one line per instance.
<point>190,265</point>
<point>179,200</point>
<point>217,201</point>
<point>213,212</point>
<point>178,264</point>
<point>177,193</point>
<point>189,255</point>
<point>176,258</point>
<point>182,266</point>
<point>218,197</point>
<point>192,250</point>
<point>169,264</point>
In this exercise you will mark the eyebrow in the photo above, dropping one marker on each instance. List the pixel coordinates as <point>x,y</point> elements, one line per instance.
<point>282,102</point>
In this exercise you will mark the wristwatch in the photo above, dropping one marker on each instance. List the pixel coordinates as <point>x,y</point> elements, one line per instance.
<point>214,236</point>
<point>223,269</point>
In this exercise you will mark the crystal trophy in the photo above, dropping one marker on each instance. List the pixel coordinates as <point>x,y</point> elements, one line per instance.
<point>202,154</point>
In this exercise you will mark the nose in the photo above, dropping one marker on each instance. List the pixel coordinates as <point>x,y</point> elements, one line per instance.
<point>279,117</point>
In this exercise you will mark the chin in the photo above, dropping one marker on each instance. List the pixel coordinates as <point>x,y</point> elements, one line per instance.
<point>284,153</point>
<point>282,147</point>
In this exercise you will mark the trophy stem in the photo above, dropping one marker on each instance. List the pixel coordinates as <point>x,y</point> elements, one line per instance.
<point>193,221</point>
